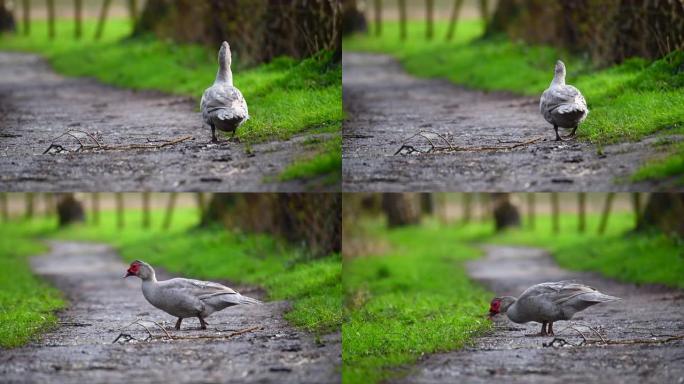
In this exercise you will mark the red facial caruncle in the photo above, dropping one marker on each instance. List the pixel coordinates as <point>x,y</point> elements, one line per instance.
<point>494,306</point>
<point>133,269</point>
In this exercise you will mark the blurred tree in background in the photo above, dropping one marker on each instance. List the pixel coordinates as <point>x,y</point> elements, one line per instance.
<point>506,215</point>
<point>353,20</point>
<point>401,209</point>
<point>309,219</point>
<point>69,210</point>
<point>258,30</point>
<point>609,31</point>
<point>6,18</point>
<point>664,212</point>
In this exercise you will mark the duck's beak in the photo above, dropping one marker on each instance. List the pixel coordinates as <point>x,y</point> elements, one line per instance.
<point>128,273</point>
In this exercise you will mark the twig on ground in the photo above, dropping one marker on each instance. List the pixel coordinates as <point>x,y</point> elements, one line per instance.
<point>452,148</point>
<point>127,337</point>
<point>93,143</point>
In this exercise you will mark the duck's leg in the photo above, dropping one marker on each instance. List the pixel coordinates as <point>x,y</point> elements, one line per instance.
<point>543,331</point>
<point>203,324</point>
<point>550,329</point>
<point>555,128</point>
<point>213,134</point>
<point>178,323</point>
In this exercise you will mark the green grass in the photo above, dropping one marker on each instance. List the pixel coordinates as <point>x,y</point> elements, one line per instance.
<point>286,97</point>
<point>665,167</point>
<point>412,299</point>
<point>627,101</point>
<point>26,302</point>
<point>330,158</point>
<point>313,287</point>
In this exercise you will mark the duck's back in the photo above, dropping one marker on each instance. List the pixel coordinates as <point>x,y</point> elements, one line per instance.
<point>224,107</point>
<point>563,105</point>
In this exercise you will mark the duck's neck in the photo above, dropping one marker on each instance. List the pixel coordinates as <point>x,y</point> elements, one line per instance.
<point>558,79</point>
<point>224,74</point>
<point>151,279</point>
<point>510,308</point>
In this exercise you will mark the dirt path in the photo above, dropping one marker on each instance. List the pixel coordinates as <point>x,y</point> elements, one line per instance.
<point>37,105</point>
<point>102,302</point>
<point>385,106</point>
<point>507,356</point>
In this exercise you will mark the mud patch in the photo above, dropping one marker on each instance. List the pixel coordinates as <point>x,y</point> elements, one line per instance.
<point>101,302</point>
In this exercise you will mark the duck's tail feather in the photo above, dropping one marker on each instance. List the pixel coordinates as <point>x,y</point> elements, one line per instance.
<point>570,108</point>
<point>249,300</point>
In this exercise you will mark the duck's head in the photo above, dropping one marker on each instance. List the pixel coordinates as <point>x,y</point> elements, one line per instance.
<point>560,68</point>
<point>140,269</point>
<point>224,55</point>
<point>500,305</point>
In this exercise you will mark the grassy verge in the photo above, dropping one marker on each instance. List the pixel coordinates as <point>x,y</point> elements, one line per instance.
<point>26,302</point>
<point>286,97</point>
<point>412,299</point>
<point>313,287</point>
<point>627,101</point>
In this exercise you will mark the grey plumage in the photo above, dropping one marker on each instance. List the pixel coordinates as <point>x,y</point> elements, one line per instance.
<point>184,298</point>
<point>563,105</point>
<point>549,302</point>
<point>223,106</point>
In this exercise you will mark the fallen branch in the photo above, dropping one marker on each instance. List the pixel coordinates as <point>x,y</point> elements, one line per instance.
<point>90,142</point>
<point>150,336</point>
<point>452,148</point>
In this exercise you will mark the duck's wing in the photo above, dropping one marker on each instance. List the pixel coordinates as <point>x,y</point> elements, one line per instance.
<point>562,99</point>
<point>198,288</point>
<point>225,102</point>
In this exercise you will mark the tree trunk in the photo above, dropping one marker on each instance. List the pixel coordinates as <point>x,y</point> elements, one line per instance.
<point>608,31</point>
<point>352,19</point>
<point>258,30</point>
<point>427,203</point>
<point>555,213</point>
<point>6,18</point>
<point>531,210</point>
<point>458,4</point>
<point>102,19</point>
<point>429,19</point>
<point>401,209</point>
<point>69,210</point>
<point>663,212</point>
<point>217,209</point>
<point>605,215</point>
<point>506,214</point>
<point>78,18</point>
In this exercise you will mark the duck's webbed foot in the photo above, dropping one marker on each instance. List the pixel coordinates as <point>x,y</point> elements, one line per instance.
<point>178,323</point>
